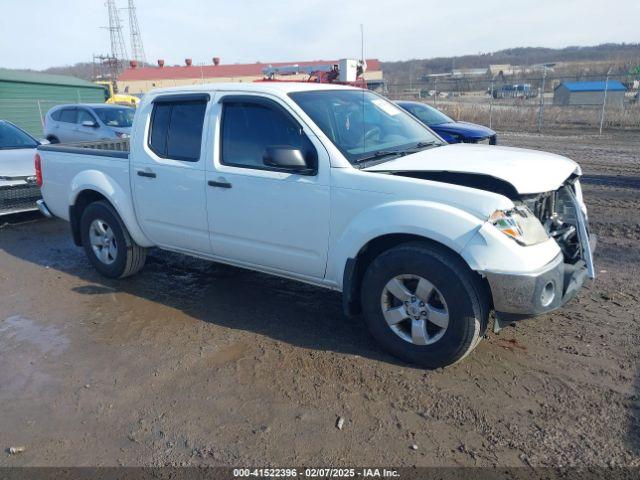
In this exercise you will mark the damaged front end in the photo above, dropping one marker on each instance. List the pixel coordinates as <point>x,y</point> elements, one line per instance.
<point>559,214</point>
<point>563,216</point>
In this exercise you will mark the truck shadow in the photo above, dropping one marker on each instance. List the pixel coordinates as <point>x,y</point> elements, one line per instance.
<point>284,310</point>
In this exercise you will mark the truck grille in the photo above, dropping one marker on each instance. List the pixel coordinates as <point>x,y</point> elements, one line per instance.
<point>562,217</point>
<point>18,198</point>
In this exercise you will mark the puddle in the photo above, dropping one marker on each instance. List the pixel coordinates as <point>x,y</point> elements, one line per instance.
<point>17,329</point>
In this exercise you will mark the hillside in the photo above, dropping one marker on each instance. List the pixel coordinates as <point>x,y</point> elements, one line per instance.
<point>601,57</point>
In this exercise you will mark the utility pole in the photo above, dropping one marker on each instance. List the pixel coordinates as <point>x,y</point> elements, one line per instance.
<point>604,100</point>
<point>544,79</point>
<point>137,48</point>
<point>435,91</point>
<point>491,102</point>
<point>541,108</point>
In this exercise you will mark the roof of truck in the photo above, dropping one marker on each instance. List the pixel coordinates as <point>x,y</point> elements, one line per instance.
<point>266,87</point>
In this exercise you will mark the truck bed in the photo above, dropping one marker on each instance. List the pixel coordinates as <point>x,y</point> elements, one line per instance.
<point>70,167</point>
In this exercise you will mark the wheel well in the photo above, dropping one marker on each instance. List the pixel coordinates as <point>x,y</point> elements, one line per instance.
<point>356,267</point>
<point>83,199</point>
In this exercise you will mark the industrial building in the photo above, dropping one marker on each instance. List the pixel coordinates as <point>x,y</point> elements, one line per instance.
<point>25,97</point>
<point>136,80</point>
<point>590,94</point>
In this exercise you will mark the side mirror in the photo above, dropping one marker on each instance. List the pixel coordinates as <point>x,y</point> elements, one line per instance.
<point>287,158</point>
<point>89,123</point>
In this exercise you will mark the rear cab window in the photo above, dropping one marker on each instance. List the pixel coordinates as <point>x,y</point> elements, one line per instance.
<point>176,126</point>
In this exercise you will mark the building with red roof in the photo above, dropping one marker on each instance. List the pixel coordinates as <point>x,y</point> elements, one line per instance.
<point>142,79</point>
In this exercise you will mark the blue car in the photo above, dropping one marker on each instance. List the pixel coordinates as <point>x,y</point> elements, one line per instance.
<point>450,130</point>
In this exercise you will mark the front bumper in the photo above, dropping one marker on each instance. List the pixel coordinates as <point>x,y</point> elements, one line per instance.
<point>522,295</point>
<point>534,293</point>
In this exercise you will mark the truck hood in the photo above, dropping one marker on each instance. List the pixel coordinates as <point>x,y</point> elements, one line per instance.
<point>527,171</point>
<point>17,162</point>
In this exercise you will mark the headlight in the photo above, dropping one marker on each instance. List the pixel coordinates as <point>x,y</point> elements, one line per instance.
<point>122,135</point>
<point>520,224</point>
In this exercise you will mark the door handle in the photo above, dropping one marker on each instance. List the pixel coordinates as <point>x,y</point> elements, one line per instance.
<point>222,184</point>
<point>143,173</point>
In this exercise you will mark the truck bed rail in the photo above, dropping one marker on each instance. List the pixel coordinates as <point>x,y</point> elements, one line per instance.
<point>104,148</point>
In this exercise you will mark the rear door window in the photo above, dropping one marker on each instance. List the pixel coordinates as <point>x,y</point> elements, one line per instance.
<point>176,129</point>
<point>84,116</point>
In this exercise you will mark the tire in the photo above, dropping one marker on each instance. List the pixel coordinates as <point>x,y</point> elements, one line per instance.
<point>122,257</point>
<point>447,310</point>
<point>53,140</point>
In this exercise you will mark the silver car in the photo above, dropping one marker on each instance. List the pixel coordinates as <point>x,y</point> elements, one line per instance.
<point>18,189</point>
<point>87,122</point>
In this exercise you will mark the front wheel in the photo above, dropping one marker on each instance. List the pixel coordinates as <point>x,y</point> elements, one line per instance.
<point>423,305</point>
<point>107,242</point>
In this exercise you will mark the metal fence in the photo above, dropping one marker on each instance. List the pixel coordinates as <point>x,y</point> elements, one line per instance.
<point>498,103</point>
<point>27,114</point>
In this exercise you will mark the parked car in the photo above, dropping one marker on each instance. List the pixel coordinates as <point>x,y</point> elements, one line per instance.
<point>447,128</point>
<point>18,189</point>
<point>337,187</point>
<point>87,122</point>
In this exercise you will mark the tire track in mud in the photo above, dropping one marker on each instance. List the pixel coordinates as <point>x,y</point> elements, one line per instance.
<point>612,181</point>
<point>618,230</point>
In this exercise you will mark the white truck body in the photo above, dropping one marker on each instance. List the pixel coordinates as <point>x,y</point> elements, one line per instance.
<point>310,227</point>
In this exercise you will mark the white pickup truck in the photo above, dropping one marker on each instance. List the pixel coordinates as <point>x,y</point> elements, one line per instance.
<point>337,187</point>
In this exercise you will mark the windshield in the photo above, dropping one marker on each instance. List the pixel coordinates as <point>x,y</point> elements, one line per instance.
<point>362,124</point>
<point>426,114</point>
<point>115,117</point>
<point>13,137</point>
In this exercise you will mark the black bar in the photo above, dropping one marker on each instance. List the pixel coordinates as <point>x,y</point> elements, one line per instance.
<point>146,174</point>
<point>213,183</point>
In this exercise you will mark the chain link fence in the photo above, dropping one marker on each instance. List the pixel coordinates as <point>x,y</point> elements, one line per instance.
<point>524,103</point>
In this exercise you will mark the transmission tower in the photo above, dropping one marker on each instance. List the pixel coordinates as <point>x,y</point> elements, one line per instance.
<point>137,49</point>
<point>118,49</point>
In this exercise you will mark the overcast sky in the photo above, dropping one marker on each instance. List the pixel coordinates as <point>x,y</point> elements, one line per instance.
<point>41,33</point>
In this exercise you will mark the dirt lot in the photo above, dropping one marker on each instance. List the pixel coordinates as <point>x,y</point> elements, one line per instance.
<point>196,363</point>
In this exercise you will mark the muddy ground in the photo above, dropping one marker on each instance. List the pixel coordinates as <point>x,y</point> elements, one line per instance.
<point>195,363</point>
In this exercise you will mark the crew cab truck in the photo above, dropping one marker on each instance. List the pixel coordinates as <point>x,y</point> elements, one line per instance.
<point>337,187</point>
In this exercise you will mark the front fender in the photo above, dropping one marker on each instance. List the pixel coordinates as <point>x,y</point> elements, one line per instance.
<point>442,223</point>
<point>120,200</point>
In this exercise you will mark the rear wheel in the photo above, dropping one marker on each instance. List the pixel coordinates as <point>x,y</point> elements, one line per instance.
<point>423,305</point>
<point>107,242</point>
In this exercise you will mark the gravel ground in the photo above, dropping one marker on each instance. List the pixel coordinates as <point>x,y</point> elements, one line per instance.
<point>192,363</point>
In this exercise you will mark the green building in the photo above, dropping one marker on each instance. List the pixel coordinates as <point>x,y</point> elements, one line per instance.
<point>25,97</point>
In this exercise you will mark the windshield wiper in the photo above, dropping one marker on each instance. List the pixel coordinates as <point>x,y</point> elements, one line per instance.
<point>398,153</point>
<point>379,154</point>
<point>421,145</point>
